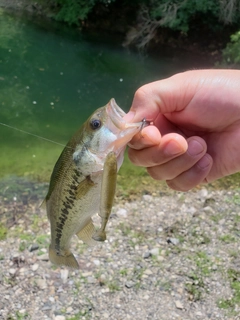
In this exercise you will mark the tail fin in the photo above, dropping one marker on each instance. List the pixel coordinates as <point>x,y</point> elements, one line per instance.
<point>68,260</point>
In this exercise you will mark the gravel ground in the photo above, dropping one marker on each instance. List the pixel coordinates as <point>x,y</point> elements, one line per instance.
<point>168,256</point>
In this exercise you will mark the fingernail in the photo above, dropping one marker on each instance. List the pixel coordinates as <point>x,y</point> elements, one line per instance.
<point>129,116</point>
<point>173,148</point>
<point>195,148</point>
<point>204,162</point>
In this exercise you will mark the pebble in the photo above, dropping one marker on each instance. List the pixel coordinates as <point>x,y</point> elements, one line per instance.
<point>91,280</point>
<point>208,209</point>
<point>148,272</point>
<point>33,247</point>
<point>179,304</point>
<point>147,255</point>
<point>12,271</point>
<point>43,257</point>
<point>59,318</point>
<point>147,197</point>
<point>41,283</point>
<point>129,284</point>
<point>203,193</point>
<point>35,267</point>
<point>173,241</point>
<point>96,262</point>
<point>122,212</point>
<point>154,251</point>
<point>64,275</point>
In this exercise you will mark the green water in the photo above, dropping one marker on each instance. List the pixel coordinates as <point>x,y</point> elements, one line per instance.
<point>52,78</point>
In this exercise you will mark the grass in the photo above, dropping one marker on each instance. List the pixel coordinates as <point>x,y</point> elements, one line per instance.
<point>18,316</point>
<point>3,232</point>
<point>195,286</point>
<point>230,303</point>
<point>113,286</point>
<point>227,238</point>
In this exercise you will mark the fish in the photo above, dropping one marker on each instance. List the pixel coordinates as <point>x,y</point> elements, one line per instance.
<point>83,181</point>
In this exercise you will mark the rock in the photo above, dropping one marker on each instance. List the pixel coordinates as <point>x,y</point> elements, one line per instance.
<point>203,193</point>
<point>208,209</point>
<point>146,255</point>
<point>64,275</point>
<point>41,283</point>
<point>191,210</point>
<point>147,197</point>
<point>179,304</point>
<point>122,212</point>
<point>154,251</point>
<point>59,318</point>
<point>148,272</point>
<point>33,247</point>
<point>173,241</point>
<point>12,271</point>
<point>129,284</point>
<point>43,257</point>
<point>34,267</point>
<point>91,280</point>
<point>96,262</point>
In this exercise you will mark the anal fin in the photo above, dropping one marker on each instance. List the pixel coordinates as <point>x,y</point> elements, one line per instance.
<point>86,234</point>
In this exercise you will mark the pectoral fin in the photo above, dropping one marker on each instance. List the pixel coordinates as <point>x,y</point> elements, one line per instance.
<point>84,187</point>
<point>108,188</point>
<point>86,234</point>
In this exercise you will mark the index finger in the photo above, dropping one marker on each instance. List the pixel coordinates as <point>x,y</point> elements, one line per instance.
<point>164,96</point>
<point>148,136</point>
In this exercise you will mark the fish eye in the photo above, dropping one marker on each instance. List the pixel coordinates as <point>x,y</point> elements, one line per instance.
<point>95,124</point>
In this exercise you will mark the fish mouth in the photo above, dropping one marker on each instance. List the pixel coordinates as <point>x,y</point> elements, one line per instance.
<point>116,115</point>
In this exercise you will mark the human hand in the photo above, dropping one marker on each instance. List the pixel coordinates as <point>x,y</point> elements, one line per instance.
<point>195,134</point>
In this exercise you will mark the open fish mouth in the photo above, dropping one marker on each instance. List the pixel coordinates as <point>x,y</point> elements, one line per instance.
<point>116,115</point>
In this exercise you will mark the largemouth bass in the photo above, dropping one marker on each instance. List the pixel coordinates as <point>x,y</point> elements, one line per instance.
<point>83,181</point>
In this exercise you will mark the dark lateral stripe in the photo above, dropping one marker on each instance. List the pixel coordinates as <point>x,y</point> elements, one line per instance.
<point>67,205</point>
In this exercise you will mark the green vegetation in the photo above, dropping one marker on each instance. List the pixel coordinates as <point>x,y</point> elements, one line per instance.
<point>227,238</point>
<point>73,11</point>
<point>3,232</point>
<point>234,278</point>
<point>149,17</point>
<point>152,17</point>
<point>18,316</point>
<point>28,239</point>
<point>231,54</point>
<point>83,314</point>
<point>195,286</point>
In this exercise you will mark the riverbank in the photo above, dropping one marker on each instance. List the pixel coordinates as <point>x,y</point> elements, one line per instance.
<point>169,256</point>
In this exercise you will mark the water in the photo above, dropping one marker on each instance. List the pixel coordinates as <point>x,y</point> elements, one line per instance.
<point>52,78</point>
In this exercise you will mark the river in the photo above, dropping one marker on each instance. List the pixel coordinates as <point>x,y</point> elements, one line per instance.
<point>51,79</point>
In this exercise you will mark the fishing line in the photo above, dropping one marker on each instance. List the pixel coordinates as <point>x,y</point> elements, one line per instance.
<point>34,135</point>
